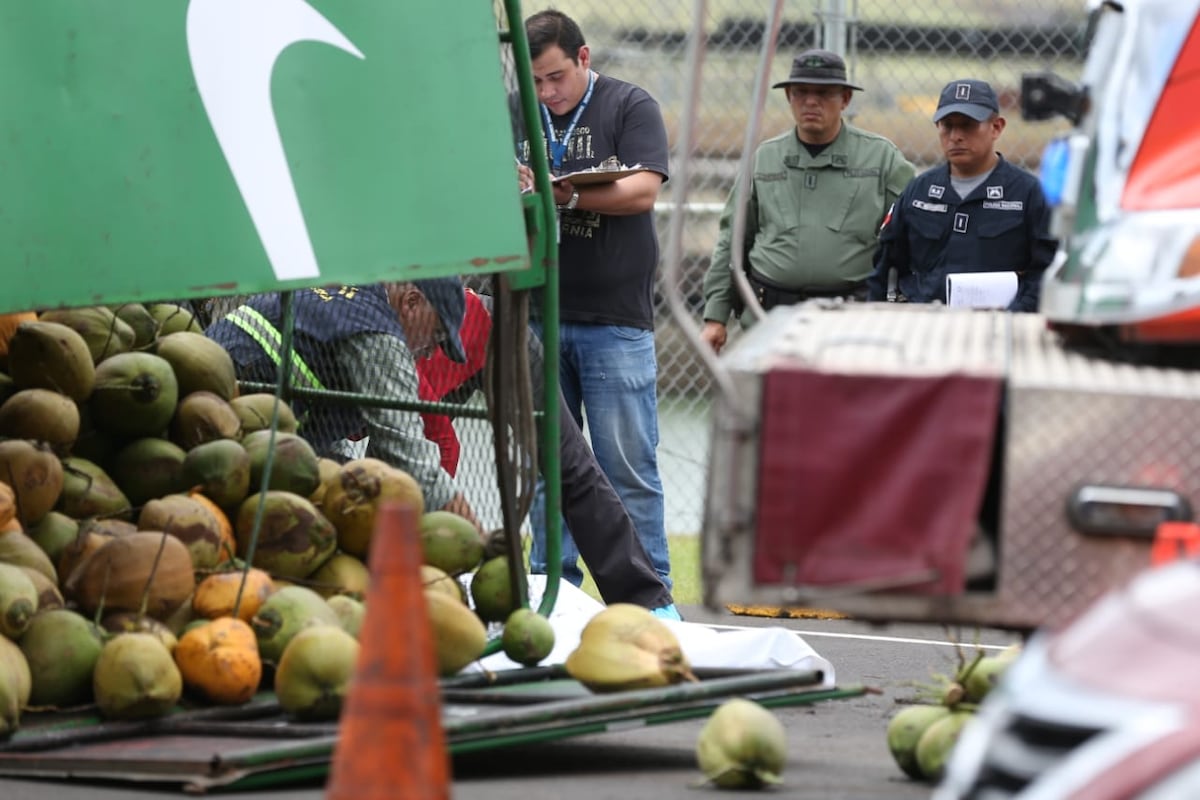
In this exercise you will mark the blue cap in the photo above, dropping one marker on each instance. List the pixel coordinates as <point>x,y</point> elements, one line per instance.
<point>971,97</point>
<point>449,301</point>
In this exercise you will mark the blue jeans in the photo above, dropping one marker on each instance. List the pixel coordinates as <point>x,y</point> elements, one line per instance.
<point>610,372</point>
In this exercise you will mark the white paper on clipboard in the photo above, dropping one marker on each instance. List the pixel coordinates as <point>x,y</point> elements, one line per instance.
<point>586,177</point>
<point>981,289</point>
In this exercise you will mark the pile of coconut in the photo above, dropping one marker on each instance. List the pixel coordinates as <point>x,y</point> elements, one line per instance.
<point>144,562</point>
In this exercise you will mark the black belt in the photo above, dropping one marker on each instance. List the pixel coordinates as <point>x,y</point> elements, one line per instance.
<point>771,294</point>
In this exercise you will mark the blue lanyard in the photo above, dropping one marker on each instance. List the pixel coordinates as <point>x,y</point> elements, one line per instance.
<point>559,149</point>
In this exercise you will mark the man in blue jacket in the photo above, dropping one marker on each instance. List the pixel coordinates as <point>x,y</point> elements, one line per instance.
<point>975,213</point>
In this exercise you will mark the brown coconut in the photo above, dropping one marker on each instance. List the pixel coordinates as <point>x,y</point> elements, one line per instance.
<point>204,416</point>
<point>123,571</point>
<point>200,364</point>
<point>91,536</point>
<point>35,475</point>
<point>104,333</point>
<point>351,501</point>
<point>88,491</point>
<point>294,540</point>
<point>49,355</point>
<point>193,523</point>
<point>41,415</point>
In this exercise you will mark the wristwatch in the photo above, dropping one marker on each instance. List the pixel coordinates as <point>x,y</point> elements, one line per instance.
<point>570,204</point>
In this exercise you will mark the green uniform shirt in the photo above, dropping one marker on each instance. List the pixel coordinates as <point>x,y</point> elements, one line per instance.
<point>812,222</point>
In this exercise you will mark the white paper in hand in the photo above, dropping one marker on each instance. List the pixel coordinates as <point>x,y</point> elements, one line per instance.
<point>981,289</point>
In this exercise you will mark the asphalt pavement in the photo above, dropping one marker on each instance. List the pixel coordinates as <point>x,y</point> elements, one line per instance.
<point>836,748</point>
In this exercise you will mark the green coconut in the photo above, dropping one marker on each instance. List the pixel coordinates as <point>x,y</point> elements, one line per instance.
<point>528,637</point>
<point>135,395</point>
<point>135,678</point>
<point>315,671</point>
<point>18,600</point>
<point>937,742</point>
<point>89,491</point>
<point>294,540</point>
<point>294,468</point>
<point>220,469</point>
<point>491,591</point>
<point>257,410</point>
<point>53,533</point>
<point>904,730</point>
<point>139,320</point>
<point>350,612</point>
<point>449,542</point>
<point>284,614</point>
<point>340,574</point>
<point>149,467</point>
<point>172,318</point>
<point>62,647</point>
<point>104,332</point>
<point>200,364</point>
<point>742,745</point>
<point>19,550</point>
<point>15,684</point>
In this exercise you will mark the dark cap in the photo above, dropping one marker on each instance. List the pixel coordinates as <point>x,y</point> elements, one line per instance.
<point>449,301</point>
<point>818,67</point>
<point>971,97</point>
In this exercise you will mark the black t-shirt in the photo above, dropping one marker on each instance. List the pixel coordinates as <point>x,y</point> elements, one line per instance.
<point>607,263</point>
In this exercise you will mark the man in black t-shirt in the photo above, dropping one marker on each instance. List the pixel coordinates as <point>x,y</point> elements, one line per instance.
<point>608,256</point>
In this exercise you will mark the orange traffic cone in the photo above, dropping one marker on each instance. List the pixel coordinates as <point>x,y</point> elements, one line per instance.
<point>390,740</point>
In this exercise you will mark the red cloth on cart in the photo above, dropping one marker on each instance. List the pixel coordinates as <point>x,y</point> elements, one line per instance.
<point>871,478</point>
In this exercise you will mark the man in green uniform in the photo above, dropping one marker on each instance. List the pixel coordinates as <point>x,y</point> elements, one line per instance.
<point>818,196</point>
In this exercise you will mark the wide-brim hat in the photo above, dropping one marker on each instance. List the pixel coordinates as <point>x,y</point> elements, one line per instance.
<point>821,67</point>
<point>448,299</point>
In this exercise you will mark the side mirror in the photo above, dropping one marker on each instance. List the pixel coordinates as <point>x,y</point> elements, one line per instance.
<point>1044,95</point>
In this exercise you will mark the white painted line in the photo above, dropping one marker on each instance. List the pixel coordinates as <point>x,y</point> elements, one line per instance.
<point>869,638</point>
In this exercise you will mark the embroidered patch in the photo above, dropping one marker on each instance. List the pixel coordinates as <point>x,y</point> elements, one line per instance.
<point>770,176</point>
<point>937,191</point>
<point>1005,205</point>
<point>940,208</point>
<point>995,193</point>
<point>960,223</point>
<point>871,172</point>
<point>810,180</point>
<point>962,91</point>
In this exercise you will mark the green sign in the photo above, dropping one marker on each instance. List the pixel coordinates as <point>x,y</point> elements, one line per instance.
<point>155,149</point>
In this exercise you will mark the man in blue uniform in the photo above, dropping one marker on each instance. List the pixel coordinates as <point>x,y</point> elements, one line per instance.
<point>975,213</point>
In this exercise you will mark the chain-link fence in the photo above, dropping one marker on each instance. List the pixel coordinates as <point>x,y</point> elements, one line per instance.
<point>901,53</point>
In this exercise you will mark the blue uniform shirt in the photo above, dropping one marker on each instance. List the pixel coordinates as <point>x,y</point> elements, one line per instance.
<point>1003,225</point>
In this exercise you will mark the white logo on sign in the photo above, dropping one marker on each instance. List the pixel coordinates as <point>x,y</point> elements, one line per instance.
<point>995,193</point>
<point>233,46</point>
<point>936,191</point>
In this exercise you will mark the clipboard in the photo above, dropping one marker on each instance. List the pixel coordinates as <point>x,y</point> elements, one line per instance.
<point>588,177</point>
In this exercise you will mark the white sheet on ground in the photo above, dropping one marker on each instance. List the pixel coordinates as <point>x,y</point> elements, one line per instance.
<point>723,646</point>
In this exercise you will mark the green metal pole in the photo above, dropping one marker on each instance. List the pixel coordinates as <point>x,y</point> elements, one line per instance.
<point>544,250</point>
